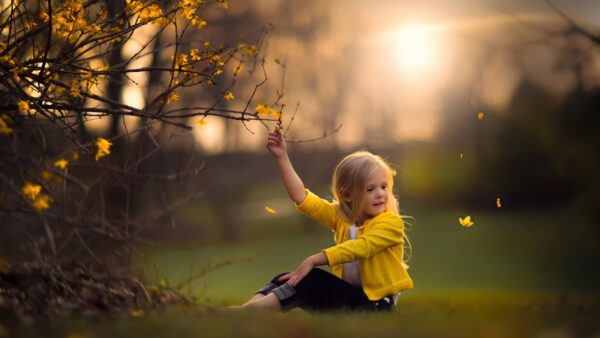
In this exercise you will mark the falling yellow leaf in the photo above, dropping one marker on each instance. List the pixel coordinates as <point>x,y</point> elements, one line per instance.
<point>61,163</point>
<point>465,222</point>
<point>270,210</point>
<point>200,122</point>
<point>229,96</point>
<point>498,202</point>
<point>461,155</point>
<point>480,115</point>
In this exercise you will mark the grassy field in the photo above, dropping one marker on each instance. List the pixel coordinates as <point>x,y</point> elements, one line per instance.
<point>512,274</point>
<point>544,252</point>
<point>427,317</point>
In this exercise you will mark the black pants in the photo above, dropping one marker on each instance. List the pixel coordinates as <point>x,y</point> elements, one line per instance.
<point>322,291</point>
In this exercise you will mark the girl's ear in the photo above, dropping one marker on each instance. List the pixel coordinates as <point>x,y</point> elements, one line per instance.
<point>345,196</point>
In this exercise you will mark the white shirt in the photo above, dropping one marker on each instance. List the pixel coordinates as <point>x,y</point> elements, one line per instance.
<point>351,272</point>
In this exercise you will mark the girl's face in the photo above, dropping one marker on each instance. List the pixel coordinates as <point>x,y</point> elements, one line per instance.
<point>376,196</point>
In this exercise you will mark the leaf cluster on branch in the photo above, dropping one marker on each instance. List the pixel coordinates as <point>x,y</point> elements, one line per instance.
<point>66,63</point>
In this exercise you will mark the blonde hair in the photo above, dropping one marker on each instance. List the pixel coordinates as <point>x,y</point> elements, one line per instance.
<point>350,178</point>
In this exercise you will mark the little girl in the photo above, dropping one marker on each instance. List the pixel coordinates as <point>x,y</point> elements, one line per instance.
<point>368,266</point>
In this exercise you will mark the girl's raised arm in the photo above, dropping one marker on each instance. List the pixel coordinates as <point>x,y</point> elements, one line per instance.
<point>293,184</point>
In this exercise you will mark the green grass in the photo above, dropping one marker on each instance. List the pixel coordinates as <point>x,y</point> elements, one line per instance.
<point>505,252</point>
<point>427,317</point>
<point>513,274</point>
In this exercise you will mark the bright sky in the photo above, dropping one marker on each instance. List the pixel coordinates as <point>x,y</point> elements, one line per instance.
<point>384,69</point>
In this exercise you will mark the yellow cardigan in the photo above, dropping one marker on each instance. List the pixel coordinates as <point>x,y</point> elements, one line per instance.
<point>378,247</point>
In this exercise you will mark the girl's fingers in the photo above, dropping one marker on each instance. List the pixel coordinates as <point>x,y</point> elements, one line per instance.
<point>275,136</point>
<point>284,277</point>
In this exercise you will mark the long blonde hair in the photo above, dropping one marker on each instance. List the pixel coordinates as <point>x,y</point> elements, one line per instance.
<point>350,178</point>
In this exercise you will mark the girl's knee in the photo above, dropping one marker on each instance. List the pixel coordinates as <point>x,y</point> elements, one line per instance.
<point>316,274</point>
<point>270,286</point>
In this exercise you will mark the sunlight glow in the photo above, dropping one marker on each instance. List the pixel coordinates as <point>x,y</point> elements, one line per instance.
<point>415,48</point>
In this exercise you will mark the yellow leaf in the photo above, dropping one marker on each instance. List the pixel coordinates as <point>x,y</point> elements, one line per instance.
<point>61,163</point>
<point>276,114</point>
<point>31,190</point>
<point>75,90</point>
<point>4,128</point>
<point>252,50</point>
<point>270,210</point>
<point>103,148</point>
<point>223,4</point>
<point>194,54</point>
<point>461,155</point>
<point>200,122</point>
<point>42,202</point>
<point>498,202</point>
<point>23,107</point>
<point>472,101</point>
<point>262,109</point>
<point>480,115</point>
<point>465,222</point>
<point>172,97</point>
<point>238,69</point>
<point>228,96</point>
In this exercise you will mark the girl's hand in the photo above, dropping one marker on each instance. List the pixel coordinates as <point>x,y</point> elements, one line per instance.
<point>276,144</point>
<point>295,277</point>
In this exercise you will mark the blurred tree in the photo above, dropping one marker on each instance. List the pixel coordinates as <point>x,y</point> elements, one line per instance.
<point>541,150</point>
<point>65,191</point>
